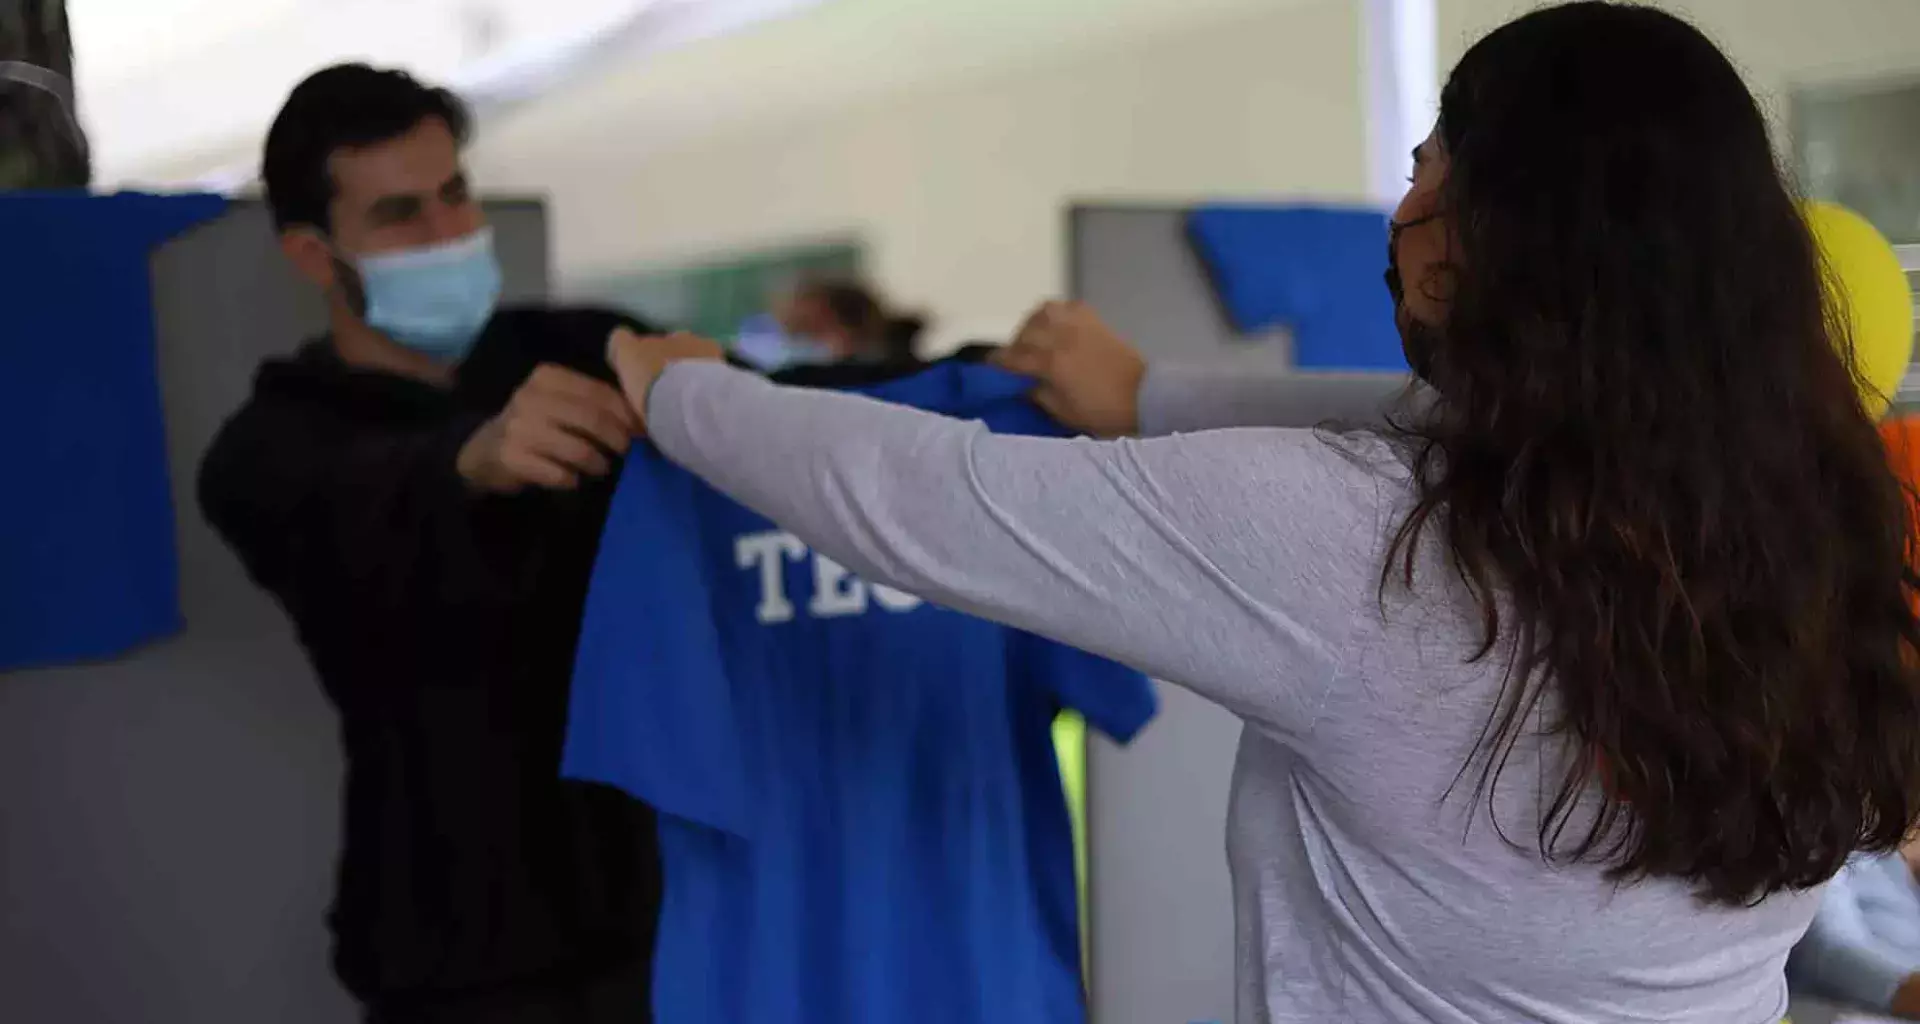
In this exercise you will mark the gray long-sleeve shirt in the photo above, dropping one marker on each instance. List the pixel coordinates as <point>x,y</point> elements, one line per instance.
<point>1244,564</point>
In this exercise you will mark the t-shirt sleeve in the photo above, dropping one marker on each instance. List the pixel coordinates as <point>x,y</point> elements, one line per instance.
<point>651,710</point>
<point>1112,698</point>
<point>1236,563</point>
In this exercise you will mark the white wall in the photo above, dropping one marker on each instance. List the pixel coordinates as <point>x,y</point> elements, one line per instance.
<point>1778,44</point>
<point>953,146</point>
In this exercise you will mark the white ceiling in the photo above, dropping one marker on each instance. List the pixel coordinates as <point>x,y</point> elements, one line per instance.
<point>173,89</point>
<point>118,39</point>
<point>168,84</point>
<point>846,51</point>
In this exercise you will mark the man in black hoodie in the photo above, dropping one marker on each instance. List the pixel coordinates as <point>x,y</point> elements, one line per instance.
<point>422,490</point>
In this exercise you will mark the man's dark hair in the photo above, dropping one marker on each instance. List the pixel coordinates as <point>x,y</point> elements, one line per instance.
<point>342,107</point>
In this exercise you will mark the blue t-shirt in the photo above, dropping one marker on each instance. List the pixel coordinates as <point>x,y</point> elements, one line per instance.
<point>87,562</point>
<point>861,810</point>
<point>1313,269</point>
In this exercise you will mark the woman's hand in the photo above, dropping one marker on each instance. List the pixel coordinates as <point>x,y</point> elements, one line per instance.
<point>638,361</point>
<point>1089,376</point>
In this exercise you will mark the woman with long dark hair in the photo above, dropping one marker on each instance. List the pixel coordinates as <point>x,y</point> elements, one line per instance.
<point>1565,693</point>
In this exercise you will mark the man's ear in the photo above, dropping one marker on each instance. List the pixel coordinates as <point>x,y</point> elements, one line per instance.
<point>307,249</point>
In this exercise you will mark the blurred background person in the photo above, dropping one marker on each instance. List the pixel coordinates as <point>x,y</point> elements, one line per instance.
<point>830,321</point>
<point>1863,948</point>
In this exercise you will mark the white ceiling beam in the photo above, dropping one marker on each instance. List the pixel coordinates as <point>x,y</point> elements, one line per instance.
<point>1402,89</point>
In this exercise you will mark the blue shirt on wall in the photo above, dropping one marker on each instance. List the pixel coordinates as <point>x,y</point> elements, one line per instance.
<point>1313,269</point>
<point>87,566</point>
<point>861,811</point>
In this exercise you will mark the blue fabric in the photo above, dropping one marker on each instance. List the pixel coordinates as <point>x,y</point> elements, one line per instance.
<point>1313,270</point>
<point>862,819</point>
<point>87,562</point>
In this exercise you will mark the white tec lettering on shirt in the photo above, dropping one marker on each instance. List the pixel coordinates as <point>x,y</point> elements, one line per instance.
<point>837,593</point>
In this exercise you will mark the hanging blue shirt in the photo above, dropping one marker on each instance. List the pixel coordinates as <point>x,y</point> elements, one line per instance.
<point>1312,269</point>
<point>861,815</point>
<point>87,562</point>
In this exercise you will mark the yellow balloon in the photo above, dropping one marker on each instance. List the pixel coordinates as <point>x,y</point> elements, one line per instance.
<point>1874,295</point>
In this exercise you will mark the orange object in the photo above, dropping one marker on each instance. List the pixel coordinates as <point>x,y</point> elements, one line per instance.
<point>1902,435</point>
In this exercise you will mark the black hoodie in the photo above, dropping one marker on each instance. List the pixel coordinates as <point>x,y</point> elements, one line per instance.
<point>442,626</point>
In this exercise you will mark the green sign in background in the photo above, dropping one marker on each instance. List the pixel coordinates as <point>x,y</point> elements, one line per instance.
<point>712,298</point>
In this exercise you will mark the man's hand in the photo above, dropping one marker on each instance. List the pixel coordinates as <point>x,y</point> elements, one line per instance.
<point>1089,377</point>
<point>638,362</point>
<point>559,427</point>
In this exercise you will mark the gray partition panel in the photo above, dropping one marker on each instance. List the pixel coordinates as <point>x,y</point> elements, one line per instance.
<point>1135,265</point>
<point>172,817</point>
<point>1161,916</point>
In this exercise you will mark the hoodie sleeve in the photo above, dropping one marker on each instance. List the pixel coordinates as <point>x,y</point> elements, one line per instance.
<point>572,337</point>
<point>319,511</point>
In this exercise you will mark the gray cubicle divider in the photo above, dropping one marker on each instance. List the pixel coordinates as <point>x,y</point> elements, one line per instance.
<point>172,817</point>
<point>1162,923</point>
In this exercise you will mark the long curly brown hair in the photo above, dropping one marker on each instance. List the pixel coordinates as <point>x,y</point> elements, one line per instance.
<point>1648,463</point>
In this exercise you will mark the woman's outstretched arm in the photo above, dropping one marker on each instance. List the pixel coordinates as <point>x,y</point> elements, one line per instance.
<point>1095,381</point>
<point>1233,562</point>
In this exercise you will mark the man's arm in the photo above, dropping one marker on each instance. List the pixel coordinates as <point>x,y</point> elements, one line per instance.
<point>573,337</point>
<point>318,507</point>
<point>314,509</point>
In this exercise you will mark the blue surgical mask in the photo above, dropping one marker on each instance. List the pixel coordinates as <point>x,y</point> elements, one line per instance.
<point>769,347</point>
<point>436,299</point>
